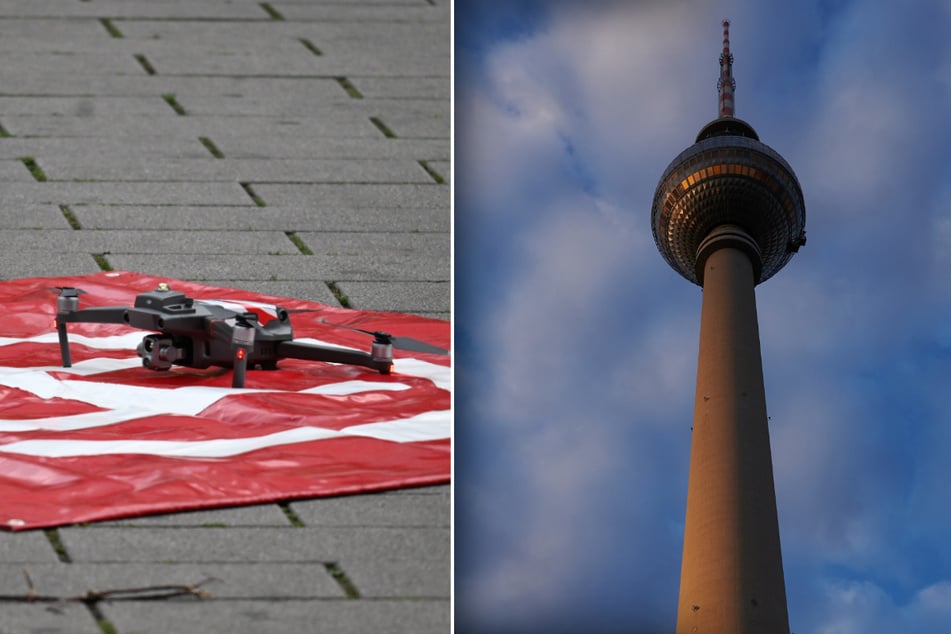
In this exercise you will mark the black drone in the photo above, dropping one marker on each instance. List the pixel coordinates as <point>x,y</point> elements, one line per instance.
<point>197,334</point>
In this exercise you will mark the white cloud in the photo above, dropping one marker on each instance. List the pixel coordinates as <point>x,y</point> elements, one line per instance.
<point>864,607</point>
<point>495,146</point>
<point>542,325</point>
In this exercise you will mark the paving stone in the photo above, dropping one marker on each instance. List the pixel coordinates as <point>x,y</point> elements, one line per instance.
<point>45,263</point>
<point>57,618</point>
<point>223,580</point>
<point>299,545</point>
<point>217,34</point>
<point>57,167</point>
<point>356,196</point>
<point>254,617</point>
<point>255,145</point>
<point>106,193</point>
<point>243,218</point>
<point>333,123</point>
<point>362,13</point>
<point>311,291</point>
<point>14,171</point>
<point>404,578</point>
<point>80,149</point>
<point>372,266</point>
<point>101,62</point>
<point>443,168</point>
<point>48,34</point>
<point>405,123</point>
<point>300,105</point>
<point>404,87</point>
<point>356,243</point>
<point>14,582</point>
<point>289,59</point>
<point>442,490</point>
<point>26,547</point>
<point>373,510</point>
<point>444,316</point>
<point>407,297</point>
<point>141,242</point>
<point>28,82</point>
<point>82,106</point>
<point>255,515</point>
<point>116,8</point>
<point>252,218</point>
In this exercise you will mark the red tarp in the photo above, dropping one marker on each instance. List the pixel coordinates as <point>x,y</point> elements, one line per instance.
<point>108,438</point>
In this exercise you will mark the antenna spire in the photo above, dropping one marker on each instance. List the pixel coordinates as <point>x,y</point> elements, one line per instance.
<point>726,84</point>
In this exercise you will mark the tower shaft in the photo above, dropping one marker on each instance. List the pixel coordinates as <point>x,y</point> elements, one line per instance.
<point>732,574</point>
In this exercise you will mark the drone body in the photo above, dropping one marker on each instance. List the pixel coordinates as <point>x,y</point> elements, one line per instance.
<point>200,334</point>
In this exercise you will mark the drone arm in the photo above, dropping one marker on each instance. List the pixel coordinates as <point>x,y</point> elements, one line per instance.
<point>101,315</point>
<point>105,315</point>
<point>311,352</point>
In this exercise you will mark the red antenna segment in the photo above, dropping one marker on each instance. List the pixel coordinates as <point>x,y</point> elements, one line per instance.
<point>726,84</point>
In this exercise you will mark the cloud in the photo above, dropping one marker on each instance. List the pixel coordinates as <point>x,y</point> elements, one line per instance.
<point>863,607</point>
<point>587,339</point>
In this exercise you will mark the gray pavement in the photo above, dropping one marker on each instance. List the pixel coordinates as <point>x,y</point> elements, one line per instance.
<point>296,148</point>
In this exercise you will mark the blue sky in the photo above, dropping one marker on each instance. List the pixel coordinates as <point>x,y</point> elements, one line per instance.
<point>576,344</point>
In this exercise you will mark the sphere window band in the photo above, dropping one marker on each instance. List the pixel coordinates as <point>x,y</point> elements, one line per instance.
<point>728,180</point>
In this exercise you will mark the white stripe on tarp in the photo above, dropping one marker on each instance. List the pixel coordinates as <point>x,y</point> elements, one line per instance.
<point>89,420</point>
<point>440,375</point>
<point>117,342</point>
<point>129,402</point>
<point>345,388</point>
<point>189,400</point>
<point>425,426</point>
<point>89,367</point>
<point>422,427</point>
<point>153,402</point>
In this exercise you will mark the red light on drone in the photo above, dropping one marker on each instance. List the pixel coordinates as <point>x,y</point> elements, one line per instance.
<point>241,354</point>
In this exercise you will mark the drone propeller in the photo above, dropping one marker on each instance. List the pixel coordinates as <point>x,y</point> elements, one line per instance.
<point>403,343</point>
<point>69,291</point>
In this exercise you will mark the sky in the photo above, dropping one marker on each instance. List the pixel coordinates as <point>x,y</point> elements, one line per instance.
<point>576,344</point>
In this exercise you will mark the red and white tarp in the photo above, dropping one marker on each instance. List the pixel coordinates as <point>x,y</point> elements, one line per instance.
<point>108,438</point>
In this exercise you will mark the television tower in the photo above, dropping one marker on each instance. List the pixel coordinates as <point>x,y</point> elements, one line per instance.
<point>728,214</point>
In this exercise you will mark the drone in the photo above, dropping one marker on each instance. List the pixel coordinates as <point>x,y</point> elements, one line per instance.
<point>204,333</point>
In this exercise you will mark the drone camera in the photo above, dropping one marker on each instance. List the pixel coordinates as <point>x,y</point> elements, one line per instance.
<point>158,353</point>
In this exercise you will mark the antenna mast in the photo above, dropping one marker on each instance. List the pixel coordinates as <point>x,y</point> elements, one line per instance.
<point>726,84</point>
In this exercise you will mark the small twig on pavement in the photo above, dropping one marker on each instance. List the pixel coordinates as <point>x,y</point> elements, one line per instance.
<point>144,593</point>
<point>31,589</point>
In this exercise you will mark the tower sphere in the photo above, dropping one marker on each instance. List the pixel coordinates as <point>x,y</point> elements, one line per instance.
<point>728,177</point>
<point>728,188</point>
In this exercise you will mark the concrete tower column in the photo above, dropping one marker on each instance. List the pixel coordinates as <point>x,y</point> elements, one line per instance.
<point>728,214</point>
<point>732,574</point>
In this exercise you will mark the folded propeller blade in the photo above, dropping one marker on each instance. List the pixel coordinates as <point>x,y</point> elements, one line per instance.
<point>403,343</point>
